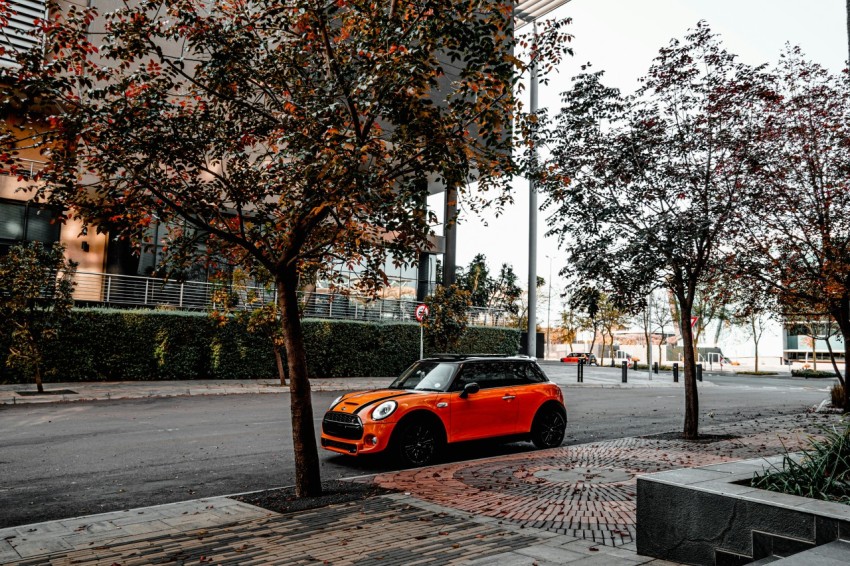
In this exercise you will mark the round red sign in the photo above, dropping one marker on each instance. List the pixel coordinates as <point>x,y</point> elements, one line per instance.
<point>422,312</point>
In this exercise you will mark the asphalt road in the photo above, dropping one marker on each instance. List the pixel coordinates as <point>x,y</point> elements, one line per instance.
<point>65,460</point>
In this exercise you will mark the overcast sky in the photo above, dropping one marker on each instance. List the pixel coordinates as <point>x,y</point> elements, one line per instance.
<point>622,37</point>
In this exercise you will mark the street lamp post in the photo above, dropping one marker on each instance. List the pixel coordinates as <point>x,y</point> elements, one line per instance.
<point>549,310</point>
<point>527,12</point>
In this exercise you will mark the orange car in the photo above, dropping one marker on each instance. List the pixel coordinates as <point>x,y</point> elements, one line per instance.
<point>444,400</point>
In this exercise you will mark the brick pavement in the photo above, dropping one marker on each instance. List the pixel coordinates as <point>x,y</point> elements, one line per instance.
<point>588,491</point>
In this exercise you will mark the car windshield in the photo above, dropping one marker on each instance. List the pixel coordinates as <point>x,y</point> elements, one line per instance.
<point>425,376</point>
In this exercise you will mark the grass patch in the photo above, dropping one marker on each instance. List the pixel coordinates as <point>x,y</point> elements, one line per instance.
<point>822,473</point>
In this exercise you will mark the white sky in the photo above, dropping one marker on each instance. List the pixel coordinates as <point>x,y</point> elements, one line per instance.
<point>622,37</point>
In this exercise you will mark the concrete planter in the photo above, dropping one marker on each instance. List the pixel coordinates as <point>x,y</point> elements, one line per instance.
<point>707,516</point>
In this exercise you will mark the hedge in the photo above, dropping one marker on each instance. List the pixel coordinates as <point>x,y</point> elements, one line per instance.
<point>812,373</point>
<point>119,345</point>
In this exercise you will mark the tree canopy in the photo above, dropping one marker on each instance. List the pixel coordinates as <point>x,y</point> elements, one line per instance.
<point>796,246</point>
<point>646,190</point>
<point>285,136</point>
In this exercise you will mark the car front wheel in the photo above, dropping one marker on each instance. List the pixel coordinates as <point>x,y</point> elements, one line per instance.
<point>549,427</point>
<point>418,443</point>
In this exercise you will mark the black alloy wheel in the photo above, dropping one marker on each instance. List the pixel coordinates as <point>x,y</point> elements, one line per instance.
<point>549,427</point>
<point>417,444</point>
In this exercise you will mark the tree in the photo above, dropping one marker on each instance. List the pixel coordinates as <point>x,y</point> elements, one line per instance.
<point>476,280</point>
<point>647,189</point>
<point>798,242</point>
<point>448,318</point>
<point>36,287</point>
<point>506,291</point>
<point>488,292</point>
<point>611,318</point>
<point>660,319</point>
<point>571,324</point>
<point>281,136</point>
<point>520,319</point>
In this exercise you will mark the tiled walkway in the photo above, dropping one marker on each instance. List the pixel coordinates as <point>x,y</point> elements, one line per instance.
<point>588,491</point>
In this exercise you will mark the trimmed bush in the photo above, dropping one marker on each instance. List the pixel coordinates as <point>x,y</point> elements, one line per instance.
<point>132,345</point>
<point>812,373</point>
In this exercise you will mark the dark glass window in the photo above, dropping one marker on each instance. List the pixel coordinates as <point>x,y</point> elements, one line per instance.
<point>524,373</point>
<point>27,222</point>
<point>486,374</point>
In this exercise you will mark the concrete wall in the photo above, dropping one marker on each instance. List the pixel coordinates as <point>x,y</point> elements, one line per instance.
<point>705,516</point>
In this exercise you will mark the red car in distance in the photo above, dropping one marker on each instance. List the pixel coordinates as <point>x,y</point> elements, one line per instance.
<point>575,357</point>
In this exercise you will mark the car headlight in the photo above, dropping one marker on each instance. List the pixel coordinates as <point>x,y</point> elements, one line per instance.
<point>384,410</point>
<point>335,401</point>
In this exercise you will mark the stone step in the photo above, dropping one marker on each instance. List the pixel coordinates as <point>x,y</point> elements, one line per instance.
<point>835,553</point>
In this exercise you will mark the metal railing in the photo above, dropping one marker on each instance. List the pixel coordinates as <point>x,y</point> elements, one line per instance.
<point>127,291</point>
<point>27,168</point>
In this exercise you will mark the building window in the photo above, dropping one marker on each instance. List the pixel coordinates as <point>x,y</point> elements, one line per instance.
<point>26,222</point>
<point>17,34</point>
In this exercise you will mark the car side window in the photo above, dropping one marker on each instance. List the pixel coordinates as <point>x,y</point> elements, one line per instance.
<point>486,374</point>
<point>524,373</point>
<point>516,373</point>
<point>535,374</point>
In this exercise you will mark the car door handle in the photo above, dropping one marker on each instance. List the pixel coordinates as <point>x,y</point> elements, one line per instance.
<point>509,397</point>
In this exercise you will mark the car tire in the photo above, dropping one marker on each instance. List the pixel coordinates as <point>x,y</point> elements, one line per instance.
<point>549,427</point>
<point>418,442</point>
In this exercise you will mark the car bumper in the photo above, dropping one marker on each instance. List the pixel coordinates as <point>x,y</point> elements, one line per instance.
<point>376,438</point>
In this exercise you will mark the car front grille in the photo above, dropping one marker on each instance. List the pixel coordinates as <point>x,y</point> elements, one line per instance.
<point>342,425</point>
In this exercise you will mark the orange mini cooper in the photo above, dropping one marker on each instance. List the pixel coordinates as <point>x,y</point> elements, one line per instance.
<point>448,399</point>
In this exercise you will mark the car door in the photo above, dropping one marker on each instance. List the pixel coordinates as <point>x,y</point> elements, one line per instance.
<point>526,380</point>
<point>490,412</point>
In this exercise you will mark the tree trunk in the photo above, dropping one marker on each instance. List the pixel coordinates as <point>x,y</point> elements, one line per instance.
<point>278,358</point>
<point>307,478</point>
<point>756,340</point>
<point>815,352</point>
<point>846,366</point>
<point>691,429</point>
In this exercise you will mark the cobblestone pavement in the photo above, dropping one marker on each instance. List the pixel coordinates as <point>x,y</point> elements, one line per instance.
<point>588,491</point>
<point>573,505</point>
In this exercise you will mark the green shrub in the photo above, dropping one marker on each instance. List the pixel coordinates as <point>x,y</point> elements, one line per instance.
<point>134,345</point>
<point>823,472</point>
<point>812,373</point>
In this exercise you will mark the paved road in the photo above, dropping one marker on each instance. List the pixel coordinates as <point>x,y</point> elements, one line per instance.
<point>63,460</point>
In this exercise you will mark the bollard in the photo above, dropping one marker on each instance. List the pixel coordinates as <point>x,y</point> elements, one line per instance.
<point>699,372</point>
<point>580,371</point>
<point>655,368</point>
<point>625,370</point>
<point>675,373</point>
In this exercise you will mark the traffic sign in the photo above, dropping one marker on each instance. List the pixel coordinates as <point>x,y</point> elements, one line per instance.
<point>422,312</point>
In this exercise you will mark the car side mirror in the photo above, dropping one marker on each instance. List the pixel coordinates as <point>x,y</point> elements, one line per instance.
<point>469,389</point>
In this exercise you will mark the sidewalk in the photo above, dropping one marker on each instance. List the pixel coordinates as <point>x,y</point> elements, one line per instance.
<point>570,505</point>
<point>15,394</point>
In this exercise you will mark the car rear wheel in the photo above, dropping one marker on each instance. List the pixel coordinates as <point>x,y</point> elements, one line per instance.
<point>418,443</point>
<point>549,427</point>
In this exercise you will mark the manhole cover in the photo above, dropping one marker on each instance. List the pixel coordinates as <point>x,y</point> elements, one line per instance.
<point>585,475</point>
